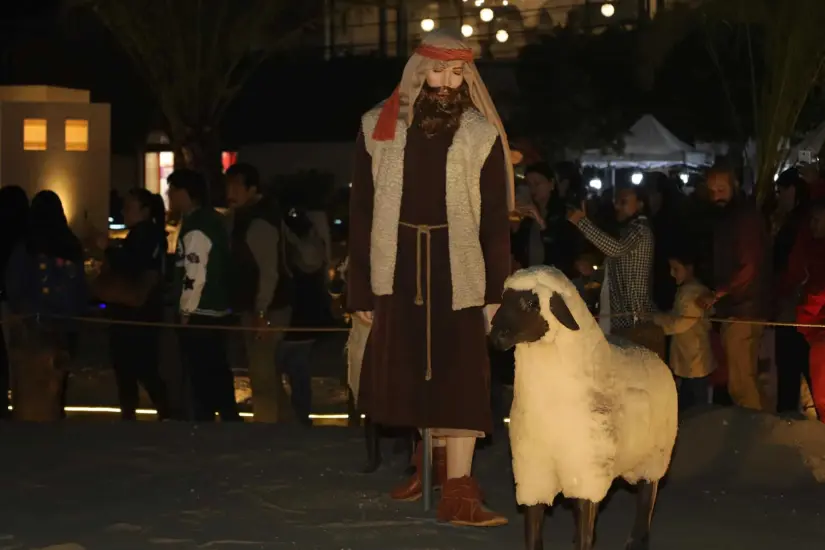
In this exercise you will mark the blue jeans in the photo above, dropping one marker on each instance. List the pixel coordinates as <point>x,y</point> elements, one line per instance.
<point>293,360</point>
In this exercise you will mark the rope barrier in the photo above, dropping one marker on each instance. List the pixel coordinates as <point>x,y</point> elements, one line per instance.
<point>238,328</point>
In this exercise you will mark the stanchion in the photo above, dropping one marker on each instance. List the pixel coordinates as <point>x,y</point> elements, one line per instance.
<point>427,469</point>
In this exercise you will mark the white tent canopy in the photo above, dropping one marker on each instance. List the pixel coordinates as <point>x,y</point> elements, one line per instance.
<point>648,145</point>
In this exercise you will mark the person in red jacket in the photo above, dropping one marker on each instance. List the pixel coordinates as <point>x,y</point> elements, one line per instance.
<point>807,263</point>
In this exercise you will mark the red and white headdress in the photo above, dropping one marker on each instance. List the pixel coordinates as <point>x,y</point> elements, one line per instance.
<point>440,47</point>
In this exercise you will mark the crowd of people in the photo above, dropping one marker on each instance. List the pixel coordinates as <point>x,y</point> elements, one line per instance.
<point>262,264</point>
<point>432,241</point>
<point>672,258</point>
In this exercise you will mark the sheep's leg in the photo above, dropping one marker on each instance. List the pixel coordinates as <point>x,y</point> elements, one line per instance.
<point>585,523</point>
<point>645,501</point>
<point>534,527</point>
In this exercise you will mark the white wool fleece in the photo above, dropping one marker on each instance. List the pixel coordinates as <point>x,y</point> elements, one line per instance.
<point>585,411</point>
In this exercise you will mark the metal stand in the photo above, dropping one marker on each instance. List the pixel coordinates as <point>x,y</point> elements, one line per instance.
<point>427,468</point>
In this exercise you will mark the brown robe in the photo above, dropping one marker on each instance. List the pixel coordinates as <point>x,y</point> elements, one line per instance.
<point>393,388</point>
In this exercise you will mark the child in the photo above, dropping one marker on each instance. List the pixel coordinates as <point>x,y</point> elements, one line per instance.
<point>691,358</point>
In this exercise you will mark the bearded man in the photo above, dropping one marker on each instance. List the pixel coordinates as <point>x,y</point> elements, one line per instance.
<point>429,252</point>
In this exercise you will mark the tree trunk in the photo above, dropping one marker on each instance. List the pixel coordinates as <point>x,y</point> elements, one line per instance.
<point>200,150</point>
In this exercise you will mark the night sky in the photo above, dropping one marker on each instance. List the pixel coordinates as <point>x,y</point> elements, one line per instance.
<point>42,45</point>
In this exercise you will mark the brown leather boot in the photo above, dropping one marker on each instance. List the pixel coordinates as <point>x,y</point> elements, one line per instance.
<point>411,490</point>
<point>462,504</point>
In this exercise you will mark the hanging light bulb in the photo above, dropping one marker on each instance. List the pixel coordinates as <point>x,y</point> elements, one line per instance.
<point>502,35</point>
<point>608,9</point>
<point>479,2</point>
<point>427,24</point>
<point>466,31</point>
<point>486,15</point>
<point>505,3</point>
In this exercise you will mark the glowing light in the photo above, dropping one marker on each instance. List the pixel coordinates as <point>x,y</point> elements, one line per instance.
<point>684,177</point>
<point>608,9</point>
<point>427,25</point>
<point>596,183</point>
<point>637,178</point>
<point>486,15</point>
<point>775,177</point>
<point>502,35</point>
<point>148,412</point>
<point>77,135</point>
<point>479,2</point>
<point>505,3</point>
<point>35,134</point>
<point>466,31</point>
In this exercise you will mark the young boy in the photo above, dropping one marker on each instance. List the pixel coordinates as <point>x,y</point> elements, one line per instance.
<point>691,358</point>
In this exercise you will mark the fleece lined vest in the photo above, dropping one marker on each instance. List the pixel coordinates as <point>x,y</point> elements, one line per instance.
<point>470,148</point>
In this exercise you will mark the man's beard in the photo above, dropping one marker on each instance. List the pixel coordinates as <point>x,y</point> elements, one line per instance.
<point>440,109</point>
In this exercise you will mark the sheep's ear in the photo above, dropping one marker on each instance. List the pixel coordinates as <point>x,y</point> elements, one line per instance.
<point>561,312</point>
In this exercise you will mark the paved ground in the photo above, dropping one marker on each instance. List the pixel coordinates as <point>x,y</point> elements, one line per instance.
<point>101,486</point>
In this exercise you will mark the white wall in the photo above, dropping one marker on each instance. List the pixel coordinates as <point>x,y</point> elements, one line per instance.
<point>280,159</point>
<point>80,178</point>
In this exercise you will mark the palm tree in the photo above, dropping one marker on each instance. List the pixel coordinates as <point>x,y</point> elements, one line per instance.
<point>786,55</point>
<point>195,55</point>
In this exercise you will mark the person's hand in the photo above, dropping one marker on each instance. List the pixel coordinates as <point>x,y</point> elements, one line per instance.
<point>575,215</point>
<point>530,211</point>
<point>490,312</point>
<point>364,316</point>
<point>706,300</point>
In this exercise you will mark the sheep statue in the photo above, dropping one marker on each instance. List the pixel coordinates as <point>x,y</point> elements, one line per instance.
<point>586,409</point>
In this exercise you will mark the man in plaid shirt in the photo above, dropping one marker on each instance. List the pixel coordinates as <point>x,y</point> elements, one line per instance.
<point>629,265</point>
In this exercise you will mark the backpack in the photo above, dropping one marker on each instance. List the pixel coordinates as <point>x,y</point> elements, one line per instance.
<point>48,286</point>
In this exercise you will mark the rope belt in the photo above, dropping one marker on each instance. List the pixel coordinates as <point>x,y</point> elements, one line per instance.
<point>423,233</point>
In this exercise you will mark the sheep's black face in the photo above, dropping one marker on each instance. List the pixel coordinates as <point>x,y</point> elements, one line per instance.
<point>518,320</point>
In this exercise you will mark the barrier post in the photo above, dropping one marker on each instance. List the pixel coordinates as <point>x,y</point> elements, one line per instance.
<point>427,468</point>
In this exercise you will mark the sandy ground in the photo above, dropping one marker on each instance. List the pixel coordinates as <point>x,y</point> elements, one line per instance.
<point>738,481</point>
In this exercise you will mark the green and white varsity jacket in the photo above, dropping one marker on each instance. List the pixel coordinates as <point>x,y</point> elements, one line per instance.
<point>202,264</point>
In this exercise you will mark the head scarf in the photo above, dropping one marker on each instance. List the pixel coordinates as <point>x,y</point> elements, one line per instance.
<point>440,47</point>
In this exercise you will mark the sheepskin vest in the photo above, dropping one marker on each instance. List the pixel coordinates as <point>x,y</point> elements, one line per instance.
<point>470,148</point>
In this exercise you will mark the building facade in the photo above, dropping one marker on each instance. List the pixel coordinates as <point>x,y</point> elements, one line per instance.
<point>57,139</point>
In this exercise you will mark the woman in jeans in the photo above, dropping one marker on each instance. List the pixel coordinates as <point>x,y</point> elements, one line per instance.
<point>46,287</point>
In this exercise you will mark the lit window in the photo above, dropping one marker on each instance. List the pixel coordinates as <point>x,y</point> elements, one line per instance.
<point>34,134</point>
<point>77,135</point>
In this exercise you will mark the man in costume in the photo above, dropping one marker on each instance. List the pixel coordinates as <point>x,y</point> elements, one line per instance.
<point>429,252</point>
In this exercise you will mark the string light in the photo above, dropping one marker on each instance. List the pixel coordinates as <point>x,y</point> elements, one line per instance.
<point>151,412</point>
<point>608,9</point>
<point>502,35</point>
<point>427,25</point>
<point>466,31</point>
<point>486,15</point>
